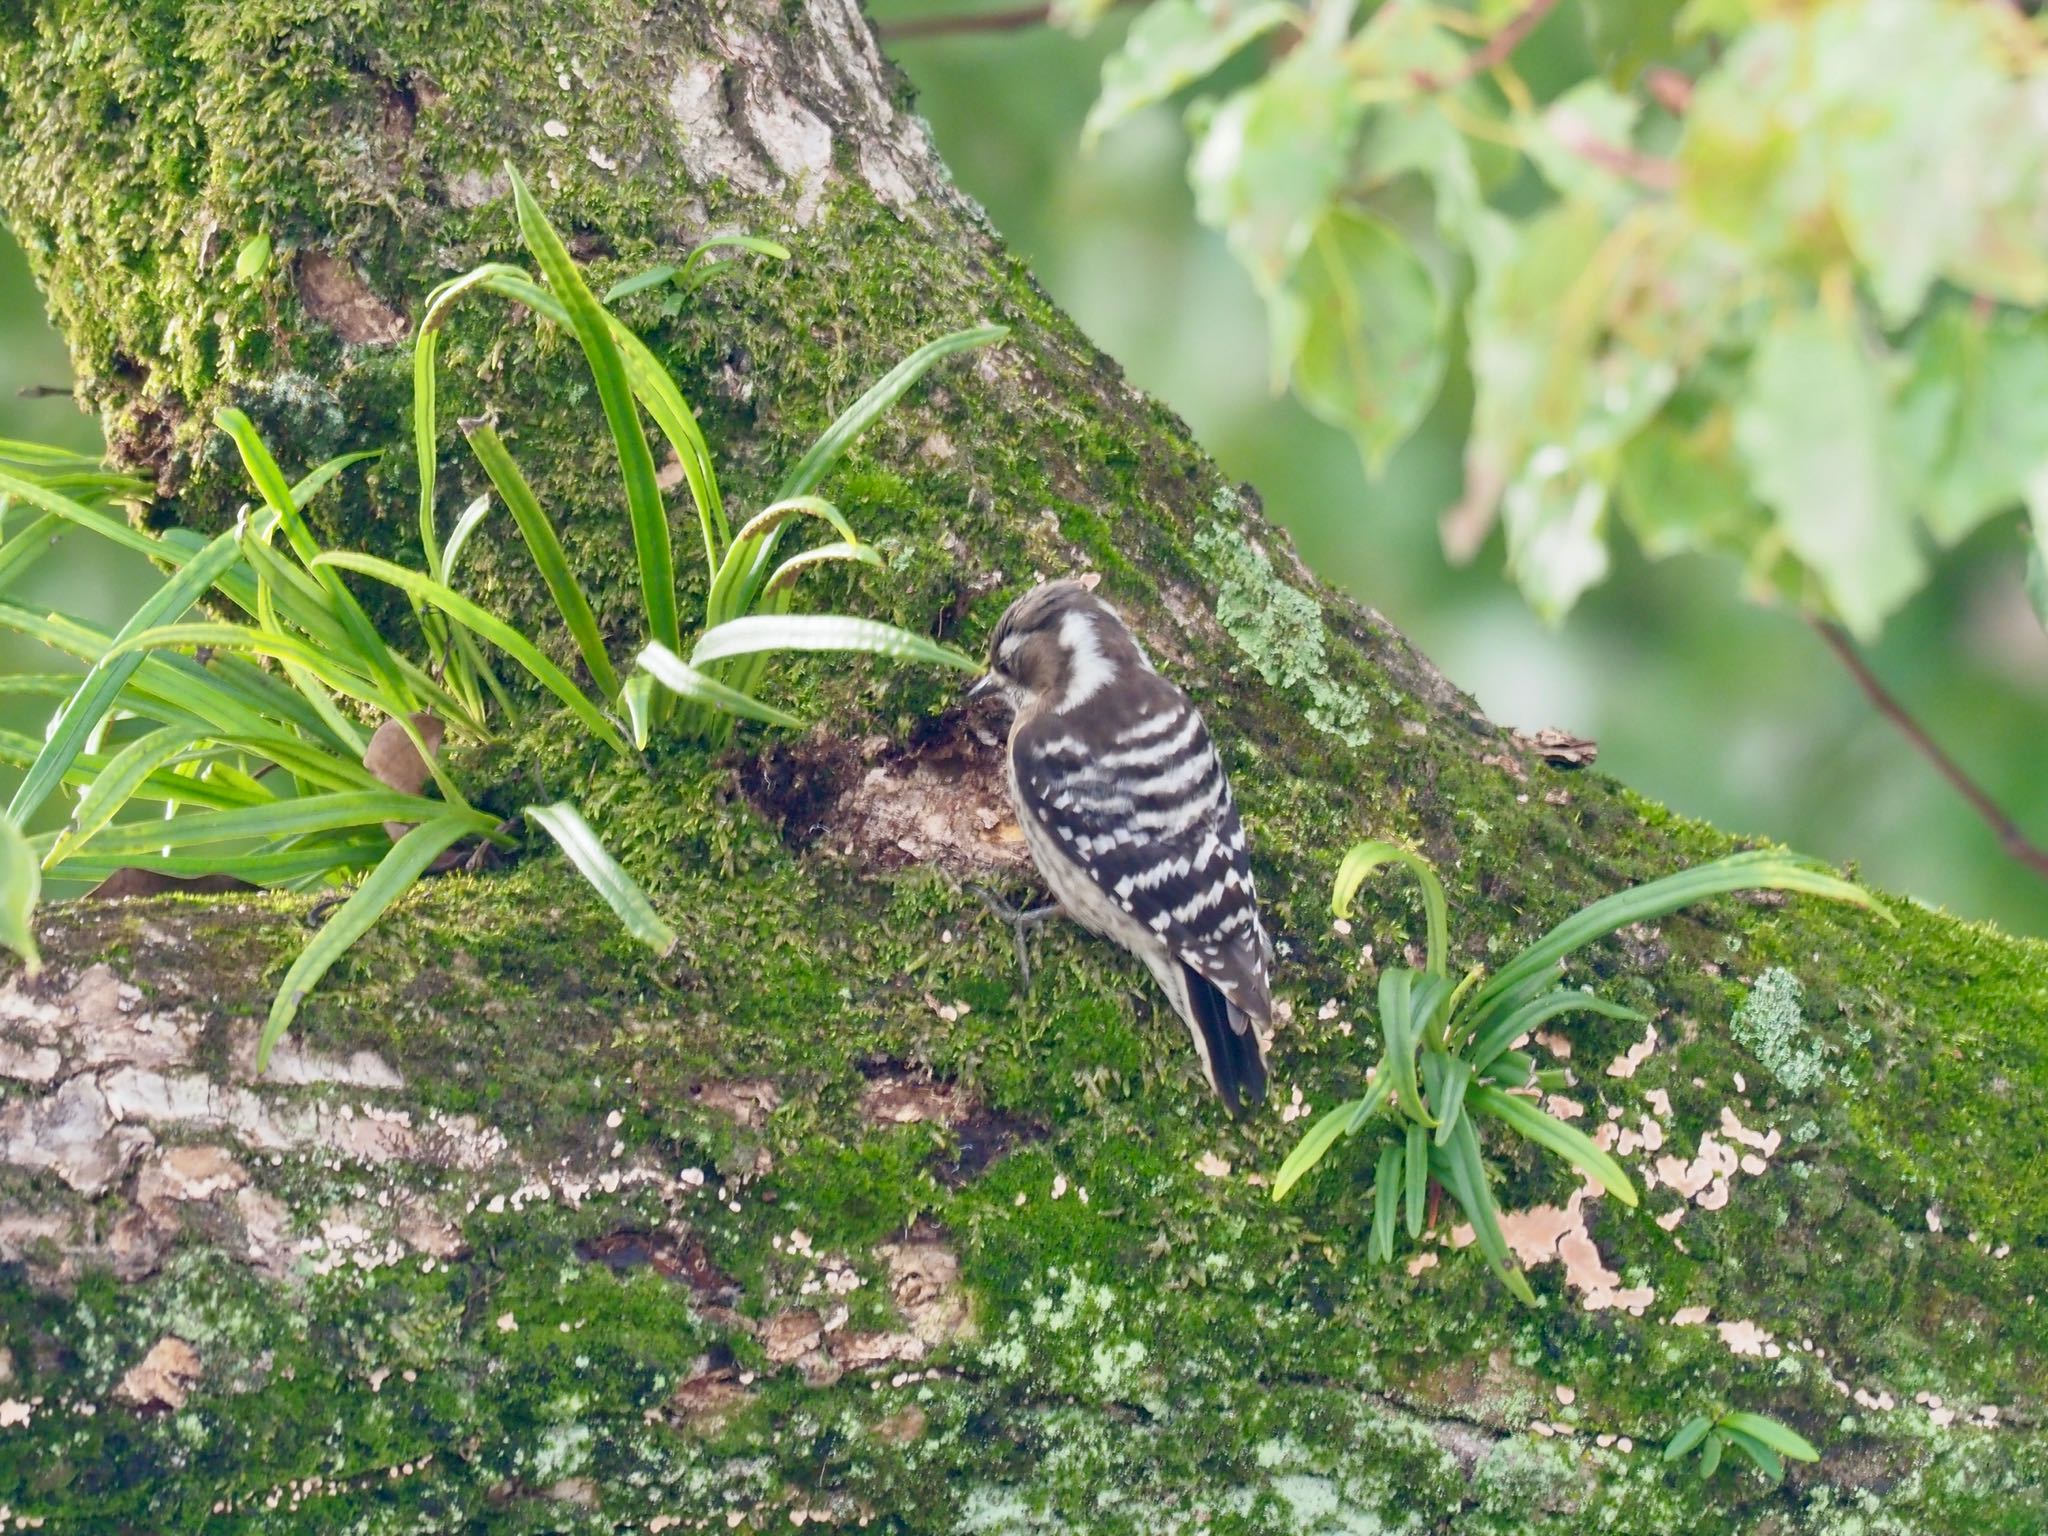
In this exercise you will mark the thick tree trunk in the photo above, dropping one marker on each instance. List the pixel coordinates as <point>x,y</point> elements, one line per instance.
<point>823,1219</point>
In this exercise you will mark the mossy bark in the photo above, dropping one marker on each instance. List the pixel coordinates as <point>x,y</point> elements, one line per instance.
<point>822,1217</point>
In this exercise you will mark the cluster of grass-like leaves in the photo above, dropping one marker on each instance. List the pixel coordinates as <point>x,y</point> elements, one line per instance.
<point>1766,1442</point>
<point>1452,1057</point>
<point>285,742</point>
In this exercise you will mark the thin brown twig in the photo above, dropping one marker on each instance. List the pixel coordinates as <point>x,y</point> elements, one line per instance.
<point>1494,52</point>
<point>2014,841</point>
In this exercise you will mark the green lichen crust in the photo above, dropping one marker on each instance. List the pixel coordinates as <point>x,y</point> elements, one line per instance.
<point>541,1233</point>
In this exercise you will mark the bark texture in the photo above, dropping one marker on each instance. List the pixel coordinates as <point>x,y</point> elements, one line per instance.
<point>822,1219</point>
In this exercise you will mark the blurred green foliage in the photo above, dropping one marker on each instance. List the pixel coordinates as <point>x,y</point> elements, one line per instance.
<point>1725,709</point>
<point>1721,707</point>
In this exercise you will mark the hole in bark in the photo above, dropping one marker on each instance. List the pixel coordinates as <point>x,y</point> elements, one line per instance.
<point>936,798</point>
<point>683,1259</point>
<point>981,1138</point>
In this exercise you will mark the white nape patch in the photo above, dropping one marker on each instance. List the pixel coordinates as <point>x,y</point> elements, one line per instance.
<point>1009,647</point>
<point>1088,670</point>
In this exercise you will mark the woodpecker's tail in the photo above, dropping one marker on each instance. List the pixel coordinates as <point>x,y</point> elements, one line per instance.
<point>1229,1043</point>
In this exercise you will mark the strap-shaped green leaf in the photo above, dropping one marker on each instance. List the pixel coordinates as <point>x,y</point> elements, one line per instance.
<point>1397,1029</point>
<point>1451,1103</point>
<point>301,861</point>
<point>115,785</point>
<point>21,884</point>
<point>392,878</point>
<point>1690,1434</point>
<point>1328,1130</point>
<point>101,685</point>
<point>1386,1202</point>
<point>1767,1460</point>
<point>1763,869</point>
<point>1463,1173</point>
<point>1416,1165</point>
<point>545,546</point>
<point>823,632</point>
<point>679,677</point>
<point>491,628</point>
<point>1364,858</point>
<point>1548,1131</point>
<point>1510,1027</point>
<point>592,329</point>
<point>565,824</point>
<point>283,818</point>
<point>1781,1438</point>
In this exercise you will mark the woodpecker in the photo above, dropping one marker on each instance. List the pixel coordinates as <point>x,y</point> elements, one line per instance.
<point>1128,816</point>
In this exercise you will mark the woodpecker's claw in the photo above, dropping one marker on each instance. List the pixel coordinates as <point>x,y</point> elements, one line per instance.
<point>1016,919</point>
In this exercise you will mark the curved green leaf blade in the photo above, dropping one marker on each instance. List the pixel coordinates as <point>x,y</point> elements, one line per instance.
<point>1690,1434</point>
<point>1386,1203</point>
<point>101,685</point>
<point>1463,1173</point>
<point>115,785</point>
<point>1397,1029</point>
<point>400,869</point>
<point>549,558</point>
<point>592,328</point>
<point>21,883</point>
<point>1366,857</point>
<point>833,442</point>
<point>565,824</point>
<point>679,677</point>
<point>1314,1146</point>
<point>1505,1031</point>
<point>492,628</point>
<point>1548,1131</point>
<point>1415,1163</point>
<point>1457,1083</point>
<point>283,818</point>
<point>1767,1460</point>
<point>1764,869</point>
<point>1781,1438</point>
<point>822,632</point>
<point>1710,1455</point>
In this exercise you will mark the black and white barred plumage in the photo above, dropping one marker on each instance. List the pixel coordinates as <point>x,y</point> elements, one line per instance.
<point>1128,816</point>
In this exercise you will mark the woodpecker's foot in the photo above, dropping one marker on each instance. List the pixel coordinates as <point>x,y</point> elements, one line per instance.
<point>1017,919</point>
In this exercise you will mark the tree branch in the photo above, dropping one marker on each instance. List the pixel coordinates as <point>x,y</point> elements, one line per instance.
<point>2010,836</point>
<point>1494,52</point>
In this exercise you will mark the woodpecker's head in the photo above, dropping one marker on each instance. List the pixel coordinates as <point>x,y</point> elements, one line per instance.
<point>1057,647</point>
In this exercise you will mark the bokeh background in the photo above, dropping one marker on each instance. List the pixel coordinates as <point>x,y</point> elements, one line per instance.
<point>1698,698</point>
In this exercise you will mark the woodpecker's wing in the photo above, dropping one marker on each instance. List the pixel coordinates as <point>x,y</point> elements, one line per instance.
<point>1131,788</point>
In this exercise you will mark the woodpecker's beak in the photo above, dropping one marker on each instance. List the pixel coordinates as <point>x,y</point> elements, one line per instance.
<point>983,685</point>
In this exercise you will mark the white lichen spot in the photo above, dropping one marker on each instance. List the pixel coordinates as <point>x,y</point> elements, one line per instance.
<point>555,128</point>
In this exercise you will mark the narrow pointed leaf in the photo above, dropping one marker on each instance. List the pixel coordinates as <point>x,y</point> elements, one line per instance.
<point>565,824</point>
<point>1505,1031</point>
<point>638,697</point>
<point>1764,869</point>
<point>1386,1203</point>
<point>392,878</point>
<point>1397,1029</point>
<point>458,537</point>
<point>1415,1163</point>
<point>1710,1455</point>
<point>823,632</point>
<point>545,546</point>
<point>1313,1146</point>
<point>282,818</point>
<point>115,785</point>
<point>1366,857</point>
<point>1690,1434</point>
<point>1548,1131</point>
<point>1767,1460</point>
<point>1463,1159</point>
<point>832,444</point>
<point>21,883</point>
<point>101,685</point>
<point>492,628</point>
<point>1457,1083</point>
<point>679,677</point>
<point>1781,1438</point>
<point>592,329</point>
